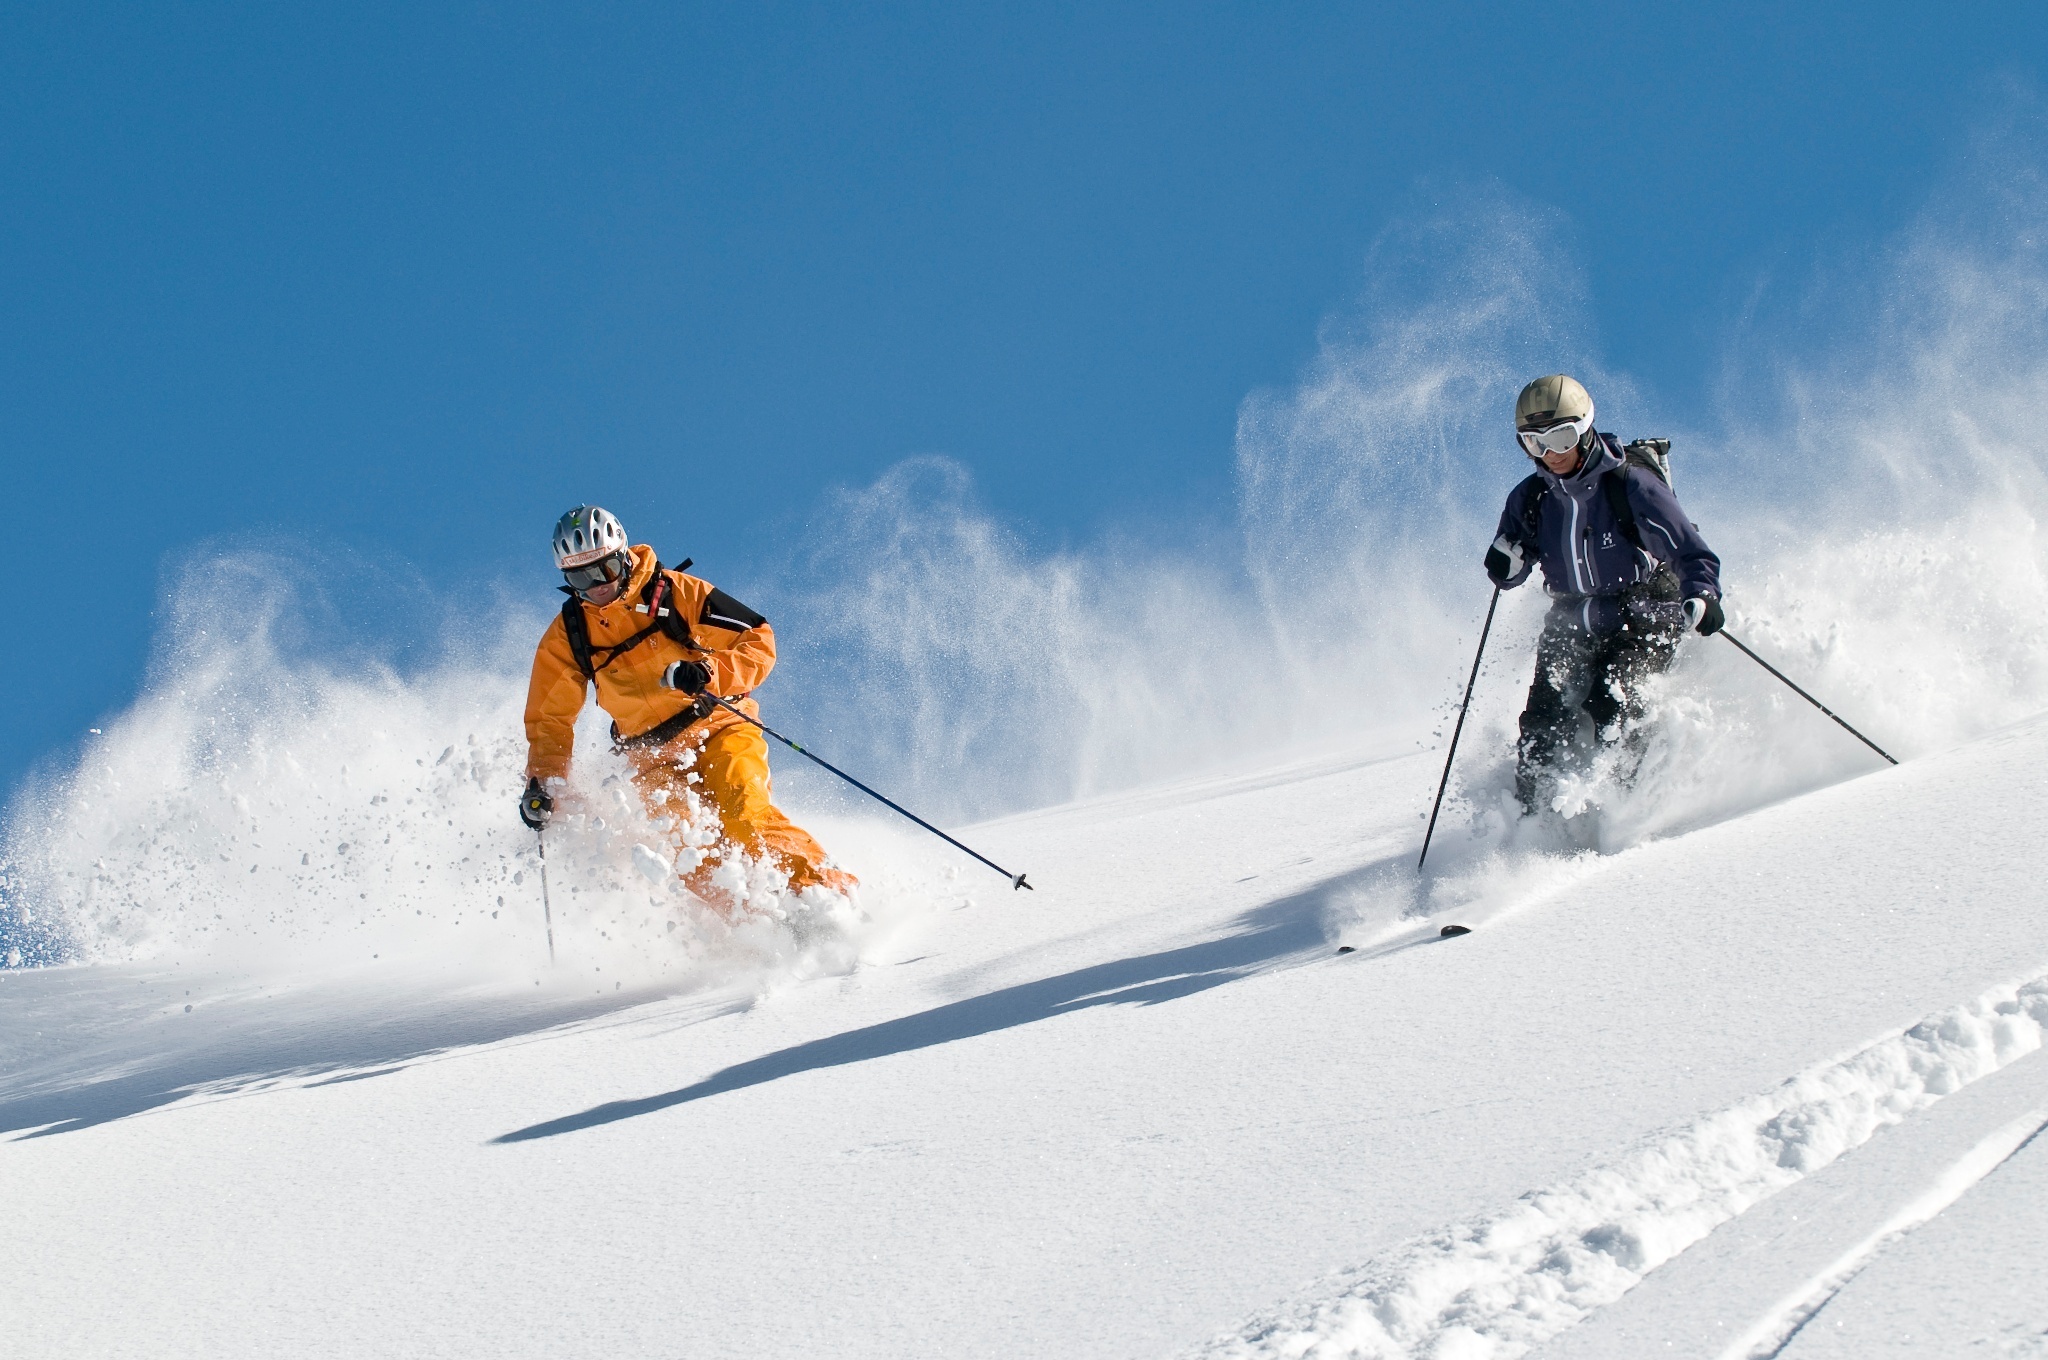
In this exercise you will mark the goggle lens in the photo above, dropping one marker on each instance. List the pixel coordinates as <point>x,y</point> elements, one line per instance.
<point>594,574</point>
<point>1556,439</point>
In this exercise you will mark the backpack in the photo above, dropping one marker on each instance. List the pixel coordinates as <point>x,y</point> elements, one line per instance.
<point>653,602</point>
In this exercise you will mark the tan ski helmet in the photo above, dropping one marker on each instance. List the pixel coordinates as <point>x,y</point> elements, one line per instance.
<point>1550,399</point>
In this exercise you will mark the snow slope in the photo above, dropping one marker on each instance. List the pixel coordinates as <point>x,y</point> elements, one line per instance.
<point>1145,1111</point>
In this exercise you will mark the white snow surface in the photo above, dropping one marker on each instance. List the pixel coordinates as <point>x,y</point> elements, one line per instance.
<point>1145,1110</point>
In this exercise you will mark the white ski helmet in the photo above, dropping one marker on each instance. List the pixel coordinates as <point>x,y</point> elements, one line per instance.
<point>586,534</point>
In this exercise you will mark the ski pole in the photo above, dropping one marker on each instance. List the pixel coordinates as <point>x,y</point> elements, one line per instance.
<point>1452,754</point>
<point>1016,880</point>
<point>547,912</point>
<point>1808,697</point>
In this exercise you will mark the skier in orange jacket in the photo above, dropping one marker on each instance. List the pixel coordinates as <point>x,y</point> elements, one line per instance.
<point>659,644</point>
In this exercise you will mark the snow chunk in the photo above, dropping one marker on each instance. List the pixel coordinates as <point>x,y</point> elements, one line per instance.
<point>652,864</point>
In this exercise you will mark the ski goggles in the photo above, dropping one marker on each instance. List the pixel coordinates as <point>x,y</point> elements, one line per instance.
<point>1555,438</point>
<point>603,571</point>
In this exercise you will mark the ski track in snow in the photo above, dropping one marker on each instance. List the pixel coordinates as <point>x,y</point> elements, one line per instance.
<point>1499,1287</point>
<point>1768,1338</point>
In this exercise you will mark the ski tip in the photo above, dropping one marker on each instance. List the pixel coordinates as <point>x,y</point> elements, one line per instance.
<point>1452,932</point>
<point>1344,949</point>
<point>1020,883</point>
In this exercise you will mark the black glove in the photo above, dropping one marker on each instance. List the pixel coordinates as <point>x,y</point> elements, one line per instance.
<point>535,806</point>
<point>1703,612</point>
<point>1503,560</point>
<point>691,677</point>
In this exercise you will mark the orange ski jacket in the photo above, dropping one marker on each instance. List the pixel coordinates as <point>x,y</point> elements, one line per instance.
<point>733,641</point>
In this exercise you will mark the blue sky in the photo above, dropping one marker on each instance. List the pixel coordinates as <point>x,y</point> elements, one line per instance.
<point>402,282</point>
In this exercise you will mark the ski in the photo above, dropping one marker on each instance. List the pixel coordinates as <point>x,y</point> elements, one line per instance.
<point>1447,933</point>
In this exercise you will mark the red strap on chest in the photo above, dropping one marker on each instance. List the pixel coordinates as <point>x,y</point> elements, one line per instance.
<point>660,591</point>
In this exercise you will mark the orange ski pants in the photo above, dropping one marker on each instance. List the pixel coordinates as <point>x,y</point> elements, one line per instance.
<point>732,773</point>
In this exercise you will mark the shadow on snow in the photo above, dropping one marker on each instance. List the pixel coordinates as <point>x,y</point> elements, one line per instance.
<point>327,1036</point>
<point>332,1034</point>
<point>1283,933</point>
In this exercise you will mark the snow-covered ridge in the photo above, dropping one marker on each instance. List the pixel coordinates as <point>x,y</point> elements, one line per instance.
<point>1500,1286</point>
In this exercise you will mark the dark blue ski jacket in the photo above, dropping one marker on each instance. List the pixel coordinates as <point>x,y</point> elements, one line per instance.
<point>1588,560</point>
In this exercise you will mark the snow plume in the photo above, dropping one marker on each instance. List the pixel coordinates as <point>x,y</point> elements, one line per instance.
<point>1871,470</point>
<point>1907,381</point>
<point>1874,474</point>
<point>984,678</point>
<point>1883,523</point>
<point>260,808</point>
<point>994,678</point>
<point>1876,490</point>
<point>1364,490</point>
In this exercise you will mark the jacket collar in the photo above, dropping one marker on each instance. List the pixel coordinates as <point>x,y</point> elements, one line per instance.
<point>1598,462</point>
<point>643,572</point>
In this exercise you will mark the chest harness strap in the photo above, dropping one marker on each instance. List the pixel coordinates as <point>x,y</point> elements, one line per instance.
<point>656,599</point>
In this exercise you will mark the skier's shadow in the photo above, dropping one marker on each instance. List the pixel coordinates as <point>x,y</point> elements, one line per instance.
<point>1280,933</point>
<point>333,1036</point>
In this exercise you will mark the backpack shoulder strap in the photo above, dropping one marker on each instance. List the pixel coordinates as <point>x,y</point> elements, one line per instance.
<point>657,598</point>
<point>1615,486</point>
<point>672,622</point>
<point>577,629</point>
<point>659,602</point>
<point>1532,506</point>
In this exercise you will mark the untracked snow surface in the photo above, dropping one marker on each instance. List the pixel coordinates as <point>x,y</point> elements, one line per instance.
<point>1769,1086</point>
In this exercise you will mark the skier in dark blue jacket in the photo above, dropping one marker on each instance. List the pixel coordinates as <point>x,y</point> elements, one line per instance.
<point>1625,569</point>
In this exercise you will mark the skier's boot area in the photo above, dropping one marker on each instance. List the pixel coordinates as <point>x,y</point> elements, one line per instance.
<point>729,773</point>
<point>1578,673</point>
